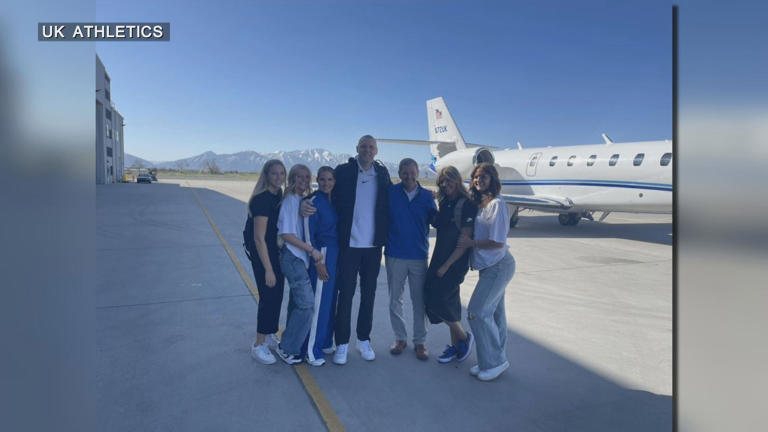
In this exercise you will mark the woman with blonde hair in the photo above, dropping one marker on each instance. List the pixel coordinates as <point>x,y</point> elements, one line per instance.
<point>450,262</point>
<point>295,257</point>
<point>260,237</point>
<point>491,257</point>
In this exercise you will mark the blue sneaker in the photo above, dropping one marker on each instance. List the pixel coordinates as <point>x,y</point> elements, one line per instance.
<point>447,355</point>
<point>463,348</point>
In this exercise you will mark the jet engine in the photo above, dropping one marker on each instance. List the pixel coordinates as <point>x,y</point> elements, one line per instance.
<point>465,160</point>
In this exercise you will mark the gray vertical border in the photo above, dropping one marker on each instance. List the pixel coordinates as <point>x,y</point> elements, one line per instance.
<point>675,186</point>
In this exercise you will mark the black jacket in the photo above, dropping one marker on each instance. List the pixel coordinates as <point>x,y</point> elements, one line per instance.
<point>344,200</point>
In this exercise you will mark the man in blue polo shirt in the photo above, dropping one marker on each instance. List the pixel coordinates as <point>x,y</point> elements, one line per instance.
<point>411,209</point>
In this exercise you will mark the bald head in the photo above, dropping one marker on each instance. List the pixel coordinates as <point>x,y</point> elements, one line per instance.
<point>366,150</point>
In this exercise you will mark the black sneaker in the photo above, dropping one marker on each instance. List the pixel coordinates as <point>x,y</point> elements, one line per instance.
<point>288,358</point>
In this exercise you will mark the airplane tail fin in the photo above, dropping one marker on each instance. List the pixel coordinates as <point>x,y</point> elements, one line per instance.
<point>444,135</point>
<point>442,128</point>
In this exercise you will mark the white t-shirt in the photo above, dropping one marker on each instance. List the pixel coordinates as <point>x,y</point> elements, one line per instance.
<point>289,222</point>
<point>412,194</point>
<point>364,214</point>
<point>491,223</point>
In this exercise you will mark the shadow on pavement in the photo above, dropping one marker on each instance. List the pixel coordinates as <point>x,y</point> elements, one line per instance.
<point>548,226</point>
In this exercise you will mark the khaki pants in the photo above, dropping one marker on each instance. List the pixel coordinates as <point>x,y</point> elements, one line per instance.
<point>415,270</point>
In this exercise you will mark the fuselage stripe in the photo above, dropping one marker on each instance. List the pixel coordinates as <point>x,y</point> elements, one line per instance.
<point>598,183</point>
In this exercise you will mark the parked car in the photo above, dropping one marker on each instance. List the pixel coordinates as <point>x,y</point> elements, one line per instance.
<point>144,178</point>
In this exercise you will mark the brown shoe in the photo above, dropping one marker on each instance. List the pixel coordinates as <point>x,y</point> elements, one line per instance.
<point>421,352</point>
<point>398,347</point>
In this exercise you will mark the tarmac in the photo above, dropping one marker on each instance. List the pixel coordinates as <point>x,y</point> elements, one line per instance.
<point>589,315</point>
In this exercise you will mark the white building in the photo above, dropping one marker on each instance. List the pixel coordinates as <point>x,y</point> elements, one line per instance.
<point>110,146</point>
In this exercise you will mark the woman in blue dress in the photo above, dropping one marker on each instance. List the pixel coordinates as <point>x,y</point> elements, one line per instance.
<point>324,237</point>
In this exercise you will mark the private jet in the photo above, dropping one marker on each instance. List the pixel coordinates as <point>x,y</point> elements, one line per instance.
<point>573,181</point>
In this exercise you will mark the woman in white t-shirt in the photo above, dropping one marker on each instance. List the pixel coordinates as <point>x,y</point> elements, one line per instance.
<point>295,257</point>
<point>490,256</point>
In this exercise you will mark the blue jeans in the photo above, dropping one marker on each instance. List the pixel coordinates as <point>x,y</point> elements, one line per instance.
<point>487,317</point>
<point>301,302</point>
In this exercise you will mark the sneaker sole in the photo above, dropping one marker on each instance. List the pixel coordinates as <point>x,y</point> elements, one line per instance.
<point>444,361</point>
<point>338,362</point>
<point>494,376</point>
<point>367,359</point>
<point>262,361</point>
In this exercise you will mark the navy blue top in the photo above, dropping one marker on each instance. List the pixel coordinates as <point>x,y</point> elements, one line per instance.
<point>322,224</point>
<point>409,223</point>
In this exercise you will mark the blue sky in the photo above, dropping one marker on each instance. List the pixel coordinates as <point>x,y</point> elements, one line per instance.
<point>288,75</point>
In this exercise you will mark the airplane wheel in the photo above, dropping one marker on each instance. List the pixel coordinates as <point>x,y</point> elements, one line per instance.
<point>514,219</point>
<point>574,218</point>
<point>563,219</point>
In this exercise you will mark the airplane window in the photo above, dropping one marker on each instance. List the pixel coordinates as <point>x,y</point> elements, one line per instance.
<point>533,161</point>
<point>665,159</point>
<point>638,159</point>
<point>591,160</point>
<point>552,161</point>
<point>571,159</point>
<point>613,160</point>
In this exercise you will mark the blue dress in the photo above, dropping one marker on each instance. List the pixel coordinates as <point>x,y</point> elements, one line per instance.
<point>324,237</point>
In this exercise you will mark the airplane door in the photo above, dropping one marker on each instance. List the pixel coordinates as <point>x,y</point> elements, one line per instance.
<point>530,170</point>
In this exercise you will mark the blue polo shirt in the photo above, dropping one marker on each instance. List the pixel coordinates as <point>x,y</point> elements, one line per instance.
<point>409,223</point>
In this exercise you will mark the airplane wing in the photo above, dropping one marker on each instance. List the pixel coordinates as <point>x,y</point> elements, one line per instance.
<point>414,142</point>
<point>543,202</point>
<point>426,143</point>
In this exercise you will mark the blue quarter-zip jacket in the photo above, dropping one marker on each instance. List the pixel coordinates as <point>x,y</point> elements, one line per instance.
<point>409,223</point>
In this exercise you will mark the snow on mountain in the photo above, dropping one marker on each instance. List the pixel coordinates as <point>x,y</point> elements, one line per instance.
<point>251,161</point>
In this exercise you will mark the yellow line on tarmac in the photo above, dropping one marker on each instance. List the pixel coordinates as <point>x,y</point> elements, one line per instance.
<point>243,275</point>
<point>324,408</point>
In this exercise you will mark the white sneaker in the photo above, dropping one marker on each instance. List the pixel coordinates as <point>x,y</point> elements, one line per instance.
<point>272,341</point>
<point>261,353</point>
<point>329,350</point>
<point>492,373</point>
<point>316,362</point>
<point>365,350</point>
<point>474,370</point>
<point>340,357</point>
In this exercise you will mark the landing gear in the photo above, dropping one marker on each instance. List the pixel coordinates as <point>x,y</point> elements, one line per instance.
<point>568,219</point>
<point>514,219</point>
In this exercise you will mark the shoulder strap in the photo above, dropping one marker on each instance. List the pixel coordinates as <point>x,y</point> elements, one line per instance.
<point>457,212</point>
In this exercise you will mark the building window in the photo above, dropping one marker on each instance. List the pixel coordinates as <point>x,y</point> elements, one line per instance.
<point>665,159</point>
<point>553,161</point>
<point>638,159</point>
<point>613,160</point>
<point>109,131</point>
<point>591,160</point>
<point>106,94</point>
<point>108,113</point>
<point>109,151</point>
<point>571,159</point>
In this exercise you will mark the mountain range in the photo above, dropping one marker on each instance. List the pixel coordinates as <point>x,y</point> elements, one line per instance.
<point>251,161</point>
